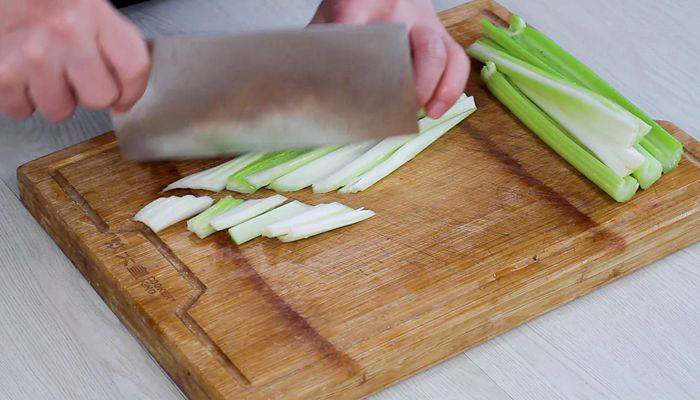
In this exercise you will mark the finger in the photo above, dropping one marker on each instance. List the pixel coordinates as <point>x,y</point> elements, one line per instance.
<point>126,52</point>
<point>94,86</point>
<point>429,61</point>
<point>453,80</point>
<point>50,93</point>
<point>14,101</point>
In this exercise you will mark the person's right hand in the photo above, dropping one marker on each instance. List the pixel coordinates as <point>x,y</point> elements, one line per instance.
<point>57,54</point>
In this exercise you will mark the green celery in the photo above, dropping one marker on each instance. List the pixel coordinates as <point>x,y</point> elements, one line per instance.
<point>619,188</point>
<point>650,171</point>
<point>238,182</point>
<point>658,142</point>
<point>200,224</point>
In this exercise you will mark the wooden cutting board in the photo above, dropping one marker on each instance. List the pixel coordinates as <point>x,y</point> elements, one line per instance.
<point>483,231</point>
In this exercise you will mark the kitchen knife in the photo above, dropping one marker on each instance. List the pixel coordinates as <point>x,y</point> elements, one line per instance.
<point>210,96</point>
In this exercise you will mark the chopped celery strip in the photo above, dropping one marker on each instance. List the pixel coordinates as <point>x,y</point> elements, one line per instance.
<point>362,164</point>
<point>619,188</point>
<point>650,171</point>
<point>659,143</point>
<point>200,224</point>
<point>431,130</point>
<point>601,125</point>
<point>238,182</point>
<point>253,228</point>
<point>265,177</point>
<point>316,213</point>
<point>326,224</point>
<point>164,212</point>
<point>249,209</point>
<point>320,167</point>
<point>214,179</point>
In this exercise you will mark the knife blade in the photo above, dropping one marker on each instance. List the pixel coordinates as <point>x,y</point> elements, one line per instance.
<point>210,96</point>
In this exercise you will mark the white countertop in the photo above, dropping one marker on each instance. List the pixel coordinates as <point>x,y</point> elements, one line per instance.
<point>637,338</point>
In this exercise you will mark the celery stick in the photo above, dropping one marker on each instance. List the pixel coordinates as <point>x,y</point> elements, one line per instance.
<point>249,209</point>
<point>200,224</point>
<point>362,164</point>
<point>265,177</point>
<point>238,182</point>
<point>664,147</point>
<point>326,224</point>
<point>316,213</point>
<point>214,179</point>
<point>435,130</point>
<point>320,167</point>
<point>164,212</point>
<point>600,124</point>
<point>619,188</point>
<point>254,227</point>
<point>650,171</point>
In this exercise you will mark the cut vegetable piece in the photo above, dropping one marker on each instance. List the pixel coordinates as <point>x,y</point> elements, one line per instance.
<point>362,164</point>
<point>265,177</point>
<point>320,167</point>
<point>214,179</point>
<point>316,213</point>
<point>409,150</point>
<point>249,209</point>
<point>238,182</point>
<point>254,227</point>
<point>658,142</point>
<point>601,125</point>
<point>619,188</point>
<point>200,224</point>
<point>650,171</point>
<point>326,224</point>
<point>164,212</point>
<point>463,105</point>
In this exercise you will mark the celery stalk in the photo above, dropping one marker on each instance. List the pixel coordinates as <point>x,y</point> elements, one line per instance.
<point>314,214</point>
<point>326,224</point>
<point>249,209</point>
<point>619,188</point>
<point>662,146</point>
<point>164,212</point>
<point>431,130</point>
<point>214,179</point>
<point>265,177</point>
<point>362,164</point>
<point>320,167</point>
<point>253,228</point>
<point>200,224</point>
<point>650,171</point>
<point>238,182</point>
<point>600,124</point>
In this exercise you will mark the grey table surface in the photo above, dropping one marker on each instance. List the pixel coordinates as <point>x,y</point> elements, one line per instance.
<point>636,338</point>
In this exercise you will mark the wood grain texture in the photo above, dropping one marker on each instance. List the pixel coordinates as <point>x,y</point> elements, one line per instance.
<point>332,317</point>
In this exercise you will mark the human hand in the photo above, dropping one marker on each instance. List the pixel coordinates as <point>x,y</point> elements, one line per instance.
<point>440,65</point>
<point>57,54</point>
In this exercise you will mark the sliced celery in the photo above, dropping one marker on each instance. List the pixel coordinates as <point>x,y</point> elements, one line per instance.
<point>249,209</point>
<point>254,227</point>
<point>650,171</point>
<point>200,224</point>
<point>320,167</point>
<point>214,179</point>
<point>431,130</point>
<point>326,224</point>
<point>238,182</point>
<point>619,188</point>
<point>265,177</point>
<point>314,214</point>
<point>164,212</point>
<point>362,164</point>
<point>664,147</point>
<point>600,124</point>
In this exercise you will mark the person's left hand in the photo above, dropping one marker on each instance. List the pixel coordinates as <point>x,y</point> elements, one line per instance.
<point>440,65</point>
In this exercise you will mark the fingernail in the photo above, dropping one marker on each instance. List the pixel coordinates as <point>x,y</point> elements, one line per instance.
<point>436,109</point>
